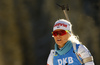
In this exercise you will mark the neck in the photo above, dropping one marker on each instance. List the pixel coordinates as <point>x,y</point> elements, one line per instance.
<point>63,49</point>
<point>60,46</point>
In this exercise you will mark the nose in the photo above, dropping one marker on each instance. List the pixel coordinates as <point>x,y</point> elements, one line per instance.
<point>58,35</point>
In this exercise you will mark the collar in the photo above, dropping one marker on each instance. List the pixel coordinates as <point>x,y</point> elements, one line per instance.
<point>64,49</point>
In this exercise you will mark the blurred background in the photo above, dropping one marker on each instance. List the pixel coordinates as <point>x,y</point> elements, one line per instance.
<point>26,26</point>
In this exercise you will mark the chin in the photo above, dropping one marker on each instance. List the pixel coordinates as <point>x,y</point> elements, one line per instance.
<point>59,43</point>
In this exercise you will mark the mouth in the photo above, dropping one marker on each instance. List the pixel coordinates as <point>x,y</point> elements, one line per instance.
<point>58,39</point>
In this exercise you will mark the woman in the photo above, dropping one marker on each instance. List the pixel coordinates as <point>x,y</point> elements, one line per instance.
<point>68,50</point>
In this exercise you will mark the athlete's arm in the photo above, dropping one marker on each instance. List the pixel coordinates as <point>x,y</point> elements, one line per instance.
<point>84,53</point>
<point>50,58</point>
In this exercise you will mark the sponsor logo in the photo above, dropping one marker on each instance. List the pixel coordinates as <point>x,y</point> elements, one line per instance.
<point>56,54</point>
<point>60,24</point>
<point>63,61</point>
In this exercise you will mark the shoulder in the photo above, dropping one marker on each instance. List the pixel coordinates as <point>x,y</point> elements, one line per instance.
<point>50,57</point>
<point>85,54</point>
<point>83,51</point>
<point>52,52</point>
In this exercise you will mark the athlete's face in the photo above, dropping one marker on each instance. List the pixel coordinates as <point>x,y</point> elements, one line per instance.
<point>61,39</point>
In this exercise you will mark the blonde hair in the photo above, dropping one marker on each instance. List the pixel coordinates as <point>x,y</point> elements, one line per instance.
<point>74,39</point>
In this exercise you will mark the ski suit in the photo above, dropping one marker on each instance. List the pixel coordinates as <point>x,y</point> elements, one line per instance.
<point>69,58</point>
